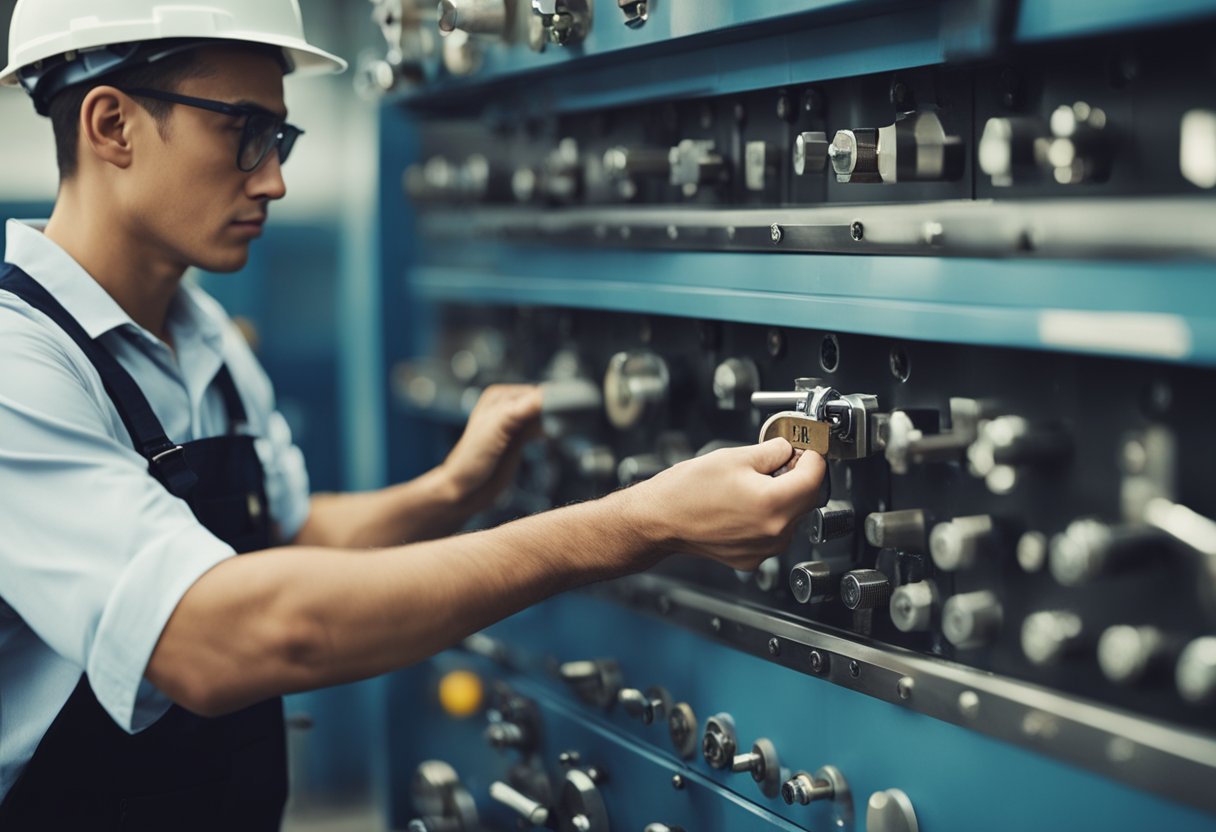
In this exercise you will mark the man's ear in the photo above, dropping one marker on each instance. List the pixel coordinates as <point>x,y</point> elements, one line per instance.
<point>105,126</point>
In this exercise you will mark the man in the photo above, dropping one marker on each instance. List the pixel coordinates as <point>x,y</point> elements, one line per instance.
<point>140,662</point>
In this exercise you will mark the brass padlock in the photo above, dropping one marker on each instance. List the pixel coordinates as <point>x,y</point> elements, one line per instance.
<point>803,432</point>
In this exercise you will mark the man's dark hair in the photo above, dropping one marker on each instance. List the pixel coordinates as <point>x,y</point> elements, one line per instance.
<point>166,74</point>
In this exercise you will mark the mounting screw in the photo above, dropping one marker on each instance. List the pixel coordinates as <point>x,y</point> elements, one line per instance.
<point>775,343</point>
<point>812,101</point>
<point>774,646</point>
<point>775,233</point>
<point>901,96</point>
<point>854,669</point>
<point>785,110</point>
<point>677,782</point>
<point>716,623</point>
<point>817,662</point>
<point>857,230</point>
<point>904,687</point>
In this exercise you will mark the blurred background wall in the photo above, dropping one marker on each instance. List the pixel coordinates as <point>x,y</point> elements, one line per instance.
<point>310,292</point>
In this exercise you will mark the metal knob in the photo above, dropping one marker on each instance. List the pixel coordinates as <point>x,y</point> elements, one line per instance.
<point>718,743</point>
<point>529,810</point>
<point>477,17</point>
<point>634,162</point>
<point>502,735</point>
<point>1080,150</point>
<point>864,589</point>
<point>641,467</point>
<point>955,544</point>
<point>1047,636</point>
<point>971,619</point>
<point>636,385</point>
<point>810,152</point>
<point>695,163</point>
<point>903,529</point>
<point>854,155</point>
<point>1195,674</point>
<point>571,395</point>
<point>735,381</point>
<point>763,764</point>
<point>595,681</point>
<point>912,606</point>
<point>648,706</point>
<point>812,582</point>
<point>1128,655</point>
<point>1012,150</point>
<point>831,521</point>
<point>1089,548</point>
<point>890,811</point>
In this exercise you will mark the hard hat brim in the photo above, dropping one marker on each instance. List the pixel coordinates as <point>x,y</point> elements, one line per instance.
<point>304,58</point>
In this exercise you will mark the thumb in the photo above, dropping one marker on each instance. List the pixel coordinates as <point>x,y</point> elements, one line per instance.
<point>801,483</point>
<point>769,456</point>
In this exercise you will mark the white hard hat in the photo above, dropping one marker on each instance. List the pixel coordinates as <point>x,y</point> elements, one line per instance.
<point>56,43</point>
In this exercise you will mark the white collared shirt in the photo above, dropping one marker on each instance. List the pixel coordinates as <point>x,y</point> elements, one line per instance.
<point>94,553</point>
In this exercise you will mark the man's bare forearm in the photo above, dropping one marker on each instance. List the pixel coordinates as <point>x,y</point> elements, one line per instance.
<point>424,508</point>
<point>294,619</point>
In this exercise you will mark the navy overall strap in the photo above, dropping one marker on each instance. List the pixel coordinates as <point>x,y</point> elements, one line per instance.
<point>165,458</point>
<point>233,405</point>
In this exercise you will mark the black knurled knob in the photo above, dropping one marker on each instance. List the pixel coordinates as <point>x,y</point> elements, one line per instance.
<point>864,589</point>
<point>831,521</point>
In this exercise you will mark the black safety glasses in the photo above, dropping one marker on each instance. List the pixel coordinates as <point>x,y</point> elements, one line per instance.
<point>263,130</point>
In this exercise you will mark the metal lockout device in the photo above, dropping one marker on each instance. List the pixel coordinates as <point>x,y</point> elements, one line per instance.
<point>824,420</point>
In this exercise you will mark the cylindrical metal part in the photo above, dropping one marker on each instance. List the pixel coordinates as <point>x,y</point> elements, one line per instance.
<point>1047,636</point>
<point>746,761</point>
<point>810,152</point>
<point>597,463</point>
<point>971,619</point>
<point>767,400</point>
<point>477,17</point>
<point>1089,548</point>
<point>633,162</point>
<point>579,671</point>
<point>571,395</point>
<point>641,467</point>
<point>635,385</point>
<point>812,582</point>
<point>904,529</point>
<point>505,735</point>
<point>1128,655</point>
<point>912,606</point>
<point>854,155</point>
<point>831,521</point>
<point>530,810</point>
<point>864,589</point>
<point>735,383</point>
<point>804,789</point>
<point>956,543</point>
<point>1195,674</point>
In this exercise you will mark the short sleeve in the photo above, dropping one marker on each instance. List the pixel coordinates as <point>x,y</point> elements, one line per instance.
<point>95,553</point>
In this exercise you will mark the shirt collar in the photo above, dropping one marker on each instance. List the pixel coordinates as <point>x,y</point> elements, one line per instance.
<point>83,297</point>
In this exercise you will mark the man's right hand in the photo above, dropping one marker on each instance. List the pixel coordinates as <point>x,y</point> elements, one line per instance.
<point>727,505</point>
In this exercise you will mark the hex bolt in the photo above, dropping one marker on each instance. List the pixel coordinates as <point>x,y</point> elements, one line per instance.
<point>817,662</point>
<point>857,230</point>
<point>677,782</point>
<point>774,646</point>
<point>854,669</point>
<point>716,623</point>
<point>904,687</point>
<point>775,233</point>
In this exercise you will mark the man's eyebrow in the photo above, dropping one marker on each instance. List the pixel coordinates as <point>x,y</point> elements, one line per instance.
<point>244,102</point>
